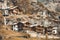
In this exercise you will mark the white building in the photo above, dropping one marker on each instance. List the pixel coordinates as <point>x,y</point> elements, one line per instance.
<point>33,1</point>
<point>54,31</point>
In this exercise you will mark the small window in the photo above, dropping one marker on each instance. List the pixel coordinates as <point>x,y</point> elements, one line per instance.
<point>0,37</point>
<point>59,17</point>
